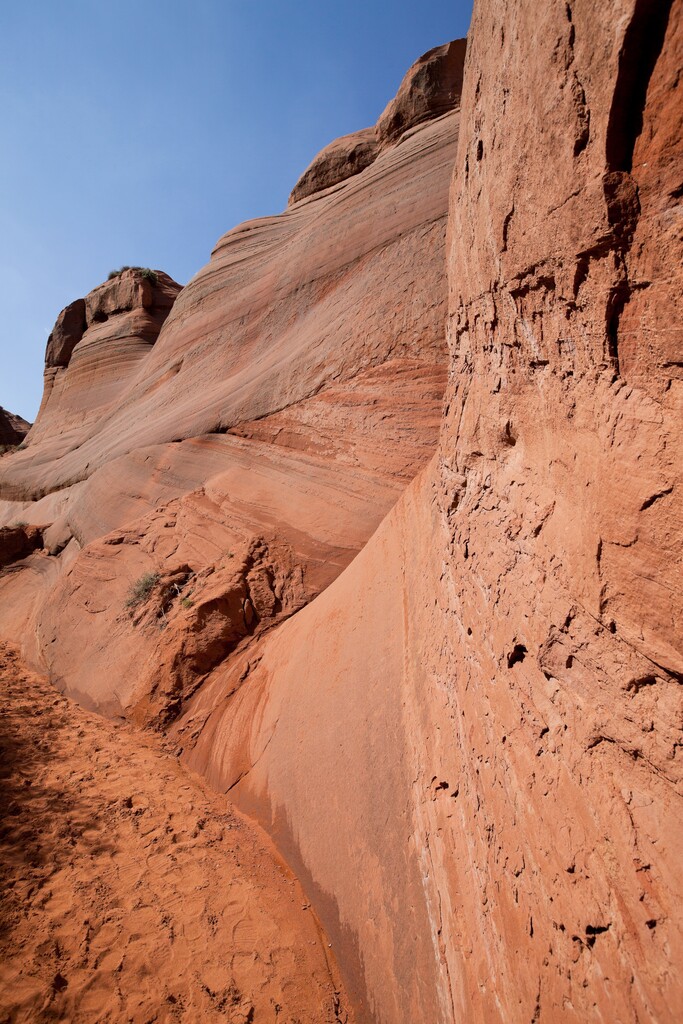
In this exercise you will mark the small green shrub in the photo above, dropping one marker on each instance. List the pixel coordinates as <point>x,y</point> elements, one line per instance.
<point>187,602</point>
<point>18,524</point>
<point>146,272</point>
<point>141,589</point>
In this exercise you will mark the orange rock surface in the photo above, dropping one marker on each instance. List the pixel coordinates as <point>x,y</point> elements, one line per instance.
<point>434,647</point>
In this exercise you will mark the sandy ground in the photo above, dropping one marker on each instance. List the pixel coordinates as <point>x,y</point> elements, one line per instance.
<point>131,892</point>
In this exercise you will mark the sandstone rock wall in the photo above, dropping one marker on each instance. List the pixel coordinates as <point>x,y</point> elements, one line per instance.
<point>559,484</point>
<point>470,744</point>
<point>466,738</point>
<point>92,353</point>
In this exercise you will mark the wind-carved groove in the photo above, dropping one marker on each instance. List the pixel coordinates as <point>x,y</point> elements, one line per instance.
<point>643,41</point>
<point>642,45</point>
<point>581,110</point>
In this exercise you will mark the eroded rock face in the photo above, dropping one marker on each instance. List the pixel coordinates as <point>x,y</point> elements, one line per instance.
<point>92,353</point>
<point>431,87</point>
<point>343,158</point>
<point>66,334</point>
<point>13,429</point>
<point>558,486</point>
<point>292,392</point>
<point>324,295</point>
<point>17,542</point>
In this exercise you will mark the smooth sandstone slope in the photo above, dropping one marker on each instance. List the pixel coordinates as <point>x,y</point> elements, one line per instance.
<point>293,391</point>
<point>469,744</point>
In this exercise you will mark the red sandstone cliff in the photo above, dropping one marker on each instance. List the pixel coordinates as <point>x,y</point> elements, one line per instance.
<point>467,742</point>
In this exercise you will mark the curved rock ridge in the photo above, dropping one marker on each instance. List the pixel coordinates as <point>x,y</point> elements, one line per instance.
<point>340,160</point>
<point>430,88</point>
<point>13,429</point>
<point>323,296</point>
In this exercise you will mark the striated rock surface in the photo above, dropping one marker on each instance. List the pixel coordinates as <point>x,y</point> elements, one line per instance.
<point>13,429</point>
<point>228,474</point>
<point>324,295</point>
<point>293,391</point>
<point>92,353</point>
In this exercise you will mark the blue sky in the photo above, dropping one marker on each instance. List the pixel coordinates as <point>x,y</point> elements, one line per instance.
<point>141,132</point>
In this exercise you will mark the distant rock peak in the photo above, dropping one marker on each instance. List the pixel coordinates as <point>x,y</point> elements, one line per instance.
<point>124,291</point>
<point>13,429</point>
<point>431,87</point>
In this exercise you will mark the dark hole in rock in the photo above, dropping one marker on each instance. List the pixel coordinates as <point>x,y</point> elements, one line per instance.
<point>518,653</point>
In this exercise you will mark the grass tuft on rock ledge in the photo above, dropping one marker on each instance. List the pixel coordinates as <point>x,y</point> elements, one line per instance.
<point>141,589</point>
<point>146,272</point>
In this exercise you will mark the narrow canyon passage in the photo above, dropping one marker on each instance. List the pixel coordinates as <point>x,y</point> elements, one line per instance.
<point>130,891</point>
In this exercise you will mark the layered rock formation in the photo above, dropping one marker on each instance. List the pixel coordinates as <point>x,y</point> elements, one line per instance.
<point>292,392</point>
<point>93,352</point>
<point>465,737</point>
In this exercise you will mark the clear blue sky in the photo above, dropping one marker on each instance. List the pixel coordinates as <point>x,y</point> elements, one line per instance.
<point>139,132</point>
